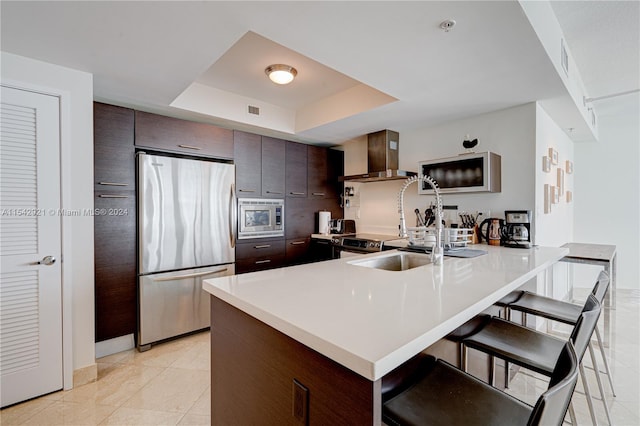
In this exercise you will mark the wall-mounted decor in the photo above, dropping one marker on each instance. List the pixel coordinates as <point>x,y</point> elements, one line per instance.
<point>569,167</point>
<point>560,184</point>
<point>553,155</point>
<point>555,195</point>
<point>547,198</point>
<point>569,195</point>
<point>546,164</point>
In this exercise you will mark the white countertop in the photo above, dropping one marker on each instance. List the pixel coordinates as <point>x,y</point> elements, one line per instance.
<point>372,320</point>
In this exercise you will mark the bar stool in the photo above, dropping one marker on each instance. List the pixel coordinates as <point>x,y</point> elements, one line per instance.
<point>537,351</point>
<point>430,391</point>
<point>566,313</point>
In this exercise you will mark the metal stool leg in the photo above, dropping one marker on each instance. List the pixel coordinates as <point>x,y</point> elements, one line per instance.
<point>587,392</point>
<point>572,414</point>
<point>606,363</point>
<point>600,387</point>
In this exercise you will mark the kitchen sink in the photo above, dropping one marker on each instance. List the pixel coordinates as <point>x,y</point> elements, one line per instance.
<point>395,262</point>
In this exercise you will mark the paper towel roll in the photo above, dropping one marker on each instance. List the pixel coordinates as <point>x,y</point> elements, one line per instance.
<point>323,222</point>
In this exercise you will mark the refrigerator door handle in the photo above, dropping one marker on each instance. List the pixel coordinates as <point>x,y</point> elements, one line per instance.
<point>233,215</point>
<point>194,275</point>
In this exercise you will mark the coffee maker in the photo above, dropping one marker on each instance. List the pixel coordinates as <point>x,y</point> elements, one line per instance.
<point>517,229</point>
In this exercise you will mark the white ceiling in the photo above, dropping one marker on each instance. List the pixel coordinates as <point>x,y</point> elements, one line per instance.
<point>145,54</point>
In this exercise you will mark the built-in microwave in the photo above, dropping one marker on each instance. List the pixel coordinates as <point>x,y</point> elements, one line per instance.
<point>472,172</point>
<point>260,218</point>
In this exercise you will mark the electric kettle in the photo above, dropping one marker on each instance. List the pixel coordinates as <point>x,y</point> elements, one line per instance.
<point>493,232</point>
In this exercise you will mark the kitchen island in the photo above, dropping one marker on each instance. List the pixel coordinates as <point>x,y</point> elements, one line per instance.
<point>310,343</point>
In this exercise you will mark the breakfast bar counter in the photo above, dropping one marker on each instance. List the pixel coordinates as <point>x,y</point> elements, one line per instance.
<point>310,343</point>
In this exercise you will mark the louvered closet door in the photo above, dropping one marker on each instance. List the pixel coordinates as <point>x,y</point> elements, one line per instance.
<point>30,292</point>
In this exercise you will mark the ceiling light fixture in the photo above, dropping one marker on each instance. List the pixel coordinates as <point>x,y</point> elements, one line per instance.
<point>280,73</point>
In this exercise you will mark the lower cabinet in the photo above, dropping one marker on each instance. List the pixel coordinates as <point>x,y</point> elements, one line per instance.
<point>297,251</point>
<point>259,255</point>
<point>319,250</point>
<point>115,264</point>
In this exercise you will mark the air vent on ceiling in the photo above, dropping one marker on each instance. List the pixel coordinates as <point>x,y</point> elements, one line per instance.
<point>254,110</point>
<point>564,57</point>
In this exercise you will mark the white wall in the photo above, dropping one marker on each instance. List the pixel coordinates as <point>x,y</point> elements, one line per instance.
<point>554,228</point>
<point>607,193</point>
<point>75,89</point>
<point>509,132</point>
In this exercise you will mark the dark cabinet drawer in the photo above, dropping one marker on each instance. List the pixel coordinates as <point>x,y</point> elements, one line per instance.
<point>175,135</point>
<point>259,249</point>
<point>253,265</point>
<point>297,250</point>
<point>113,152</point>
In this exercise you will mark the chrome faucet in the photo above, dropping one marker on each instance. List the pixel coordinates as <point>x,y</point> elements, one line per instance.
<point>437,253</point>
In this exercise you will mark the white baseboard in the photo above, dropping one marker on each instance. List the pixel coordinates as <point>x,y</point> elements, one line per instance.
<point>115,345</point>
<point>85,375</point>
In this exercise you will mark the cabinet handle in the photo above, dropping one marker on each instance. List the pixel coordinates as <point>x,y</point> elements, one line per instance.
<point>297,243</point>
<point>257,262</point>
<point>197,148</point>
<point>246,190</point>
<point>262,246</point>
<point>113,196</point>
<point>318,193</point>
<point>296,193</point>
<point>113,184</point>
<point>274,192</point>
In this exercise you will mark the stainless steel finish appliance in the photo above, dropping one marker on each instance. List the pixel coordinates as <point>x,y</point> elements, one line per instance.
<point>260,218</point>
<point>186,233</point>
<point>382,159</point>
<point>517,228</point>
<point>345,246</point>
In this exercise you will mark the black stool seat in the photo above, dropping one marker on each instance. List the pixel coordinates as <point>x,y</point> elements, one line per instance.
<point>440,394</point>
<point>546,307</point>
<point>520,345</point>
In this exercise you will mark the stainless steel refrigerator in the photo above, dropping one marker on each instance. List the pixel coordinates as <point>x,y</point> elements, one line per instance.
<point>186,233</point>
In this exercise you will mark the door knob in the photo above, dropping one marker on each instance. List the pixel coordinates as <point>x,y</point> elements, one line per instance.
<point>47,260</point>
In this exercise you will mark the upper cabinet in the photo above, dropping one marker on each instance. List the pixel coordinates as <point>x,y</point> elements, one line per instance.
<point>260,165</point>
<point>273,167</point>
<point>247,153</point>
<point>187,137</point>
<point>324,166</point>
<point>296,170</point>
<point>113,153</point>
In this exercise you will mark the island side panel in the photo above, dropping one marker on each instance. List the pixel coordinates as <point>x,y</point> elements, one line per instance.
<point>253,367</point>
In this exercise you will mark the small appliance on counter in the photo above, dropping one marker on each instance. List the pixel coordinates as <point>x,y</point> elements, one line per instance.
<point>517,229</point>
<point>492,232</point>
<point>342,226</point>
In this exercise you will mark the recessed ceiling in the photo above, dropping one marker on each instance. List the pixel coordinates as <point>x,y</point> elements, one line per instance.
<point>317,96</point>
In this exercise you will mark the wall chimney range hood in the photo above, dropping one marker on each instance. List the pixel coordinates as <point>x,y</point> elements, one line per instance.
<point>382,159</point>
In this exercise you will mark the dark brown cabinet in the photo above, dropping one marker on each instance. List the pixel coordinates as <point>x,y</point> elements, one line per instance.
<point>182,136</point>
<point>257,255</point>
<point>273,167</point>
<point>297,250</point>
<point>114,222</point>
<point>296,170</point>
<point>324,166</point>
<point>247,153</point>
<point>113,151</point>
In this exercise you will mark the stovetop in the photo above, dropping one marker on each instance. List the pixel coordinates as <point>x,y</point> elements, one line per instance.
<point>363,242</point>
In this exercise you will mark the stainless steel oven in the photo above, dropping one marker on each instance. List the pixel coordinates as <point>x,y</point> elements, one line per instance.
<point>353,245</point>
<point>260,218</point>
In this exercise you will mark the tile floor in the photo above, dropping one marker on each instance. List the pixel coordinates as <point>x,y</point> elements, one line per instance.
<point>169,385</point>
